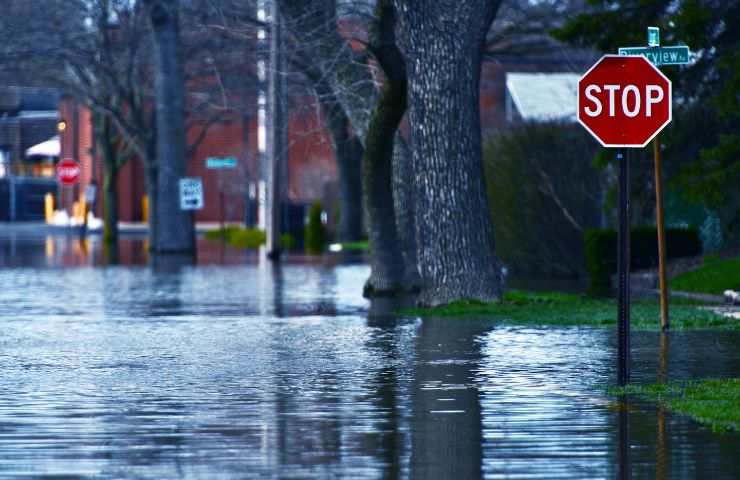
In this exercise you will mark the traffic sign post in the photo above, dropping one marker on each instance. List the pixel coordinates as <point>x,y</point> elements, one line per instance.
<point>624,102</point>
<point>220,164</point>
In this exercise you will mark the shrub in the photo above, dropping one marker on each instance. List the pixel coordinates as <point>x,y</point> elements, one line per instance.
<point>543,191</point>
<point>287,241</point>
<point>315,230</point>
<point>238,237</point>
<point>600,248</point>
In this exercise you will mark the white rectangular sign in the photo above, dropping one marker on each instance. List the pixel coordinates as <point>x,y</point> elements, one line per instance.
<point>191,193</point>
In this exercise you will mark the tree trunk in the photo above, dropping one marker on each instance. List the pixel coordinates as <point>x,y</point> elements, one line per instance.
<point>456,254</point>
<point>405,209</point>
<point>348,152</point>
<point>350,81</point>
<point>152,193</point>
<point>386,261</point>
<point>110,206</point>
<point>175,232</point>
<point>386,164</point>
<point>111,167</point>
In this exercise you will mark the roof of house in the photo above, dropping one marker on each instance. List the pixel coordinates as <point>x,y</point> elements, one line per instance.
<point>544,96</point>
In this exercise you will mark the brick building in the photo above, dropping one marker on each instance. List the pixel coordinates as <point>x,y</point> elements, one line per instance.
<point>28,117</point>
<point>311,170</point>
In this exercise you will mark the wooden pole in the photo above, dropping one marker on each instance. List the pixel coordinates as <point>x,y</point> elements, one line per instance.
<point>664,322</point>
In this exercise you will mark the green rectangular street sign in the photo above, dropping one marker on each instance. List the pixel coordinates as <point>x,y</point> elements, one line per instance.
<point>220,162</point>
<point>660,55</point>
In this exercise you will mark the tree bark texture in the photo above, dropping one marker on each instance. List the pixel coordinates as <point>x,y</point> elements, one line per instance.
<point>443,41</point>
<point>175,229</point>
<point>404,203</point>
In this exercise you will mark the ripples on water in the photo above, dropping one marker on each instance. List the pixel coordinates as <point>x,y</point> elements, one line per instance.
<point>242,370</point>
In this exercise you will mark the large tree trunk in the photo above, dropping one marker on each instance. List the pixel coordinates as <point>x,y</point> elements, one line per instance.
<point>405,209</point>
<point>175,232</point>
<point>443,41</point>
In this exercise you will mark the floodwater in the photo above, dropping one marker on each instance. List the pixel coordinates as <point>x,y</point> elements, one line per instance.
<point>235,369</point>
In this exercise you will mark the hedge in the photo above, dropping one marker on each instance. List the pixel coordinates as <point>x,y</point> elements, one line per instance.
<point>600,248</point>
<point>315,231</point>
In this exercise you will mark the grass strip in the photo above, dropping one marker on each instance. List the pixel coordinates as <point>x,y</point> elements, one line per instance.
<point>551,308</point>
<point>713,402</point>
<point>361,246</point>
<point>714,277</point>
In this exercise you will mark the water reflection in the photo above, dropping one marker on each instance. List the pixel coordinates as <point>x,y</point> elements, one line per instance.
<point>240,368</point>
<point>624,471</point>
<point>447,439</point>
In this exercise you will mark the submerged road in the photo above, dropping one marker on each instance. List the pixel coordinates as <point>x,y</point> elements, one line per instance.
<point>235,369</point>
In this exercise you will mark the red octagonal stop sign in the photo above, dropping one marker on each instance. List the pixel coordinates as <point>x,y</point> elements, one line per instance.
<point>68,172</point>
<point>624,101</point>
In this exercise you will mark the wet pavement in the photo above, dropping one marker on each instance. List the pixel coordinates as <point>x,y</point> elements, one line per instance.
<point>236,369</point>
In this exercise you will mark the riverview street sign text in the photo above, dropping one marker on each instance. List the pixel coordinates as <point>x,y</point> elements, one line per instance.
<point>220,162</point>
<point>624,101</point>
<point>660,55</point>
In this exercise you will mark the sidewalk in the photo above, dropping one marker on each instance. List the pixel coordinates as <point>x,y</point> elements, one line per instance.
<point>124,228</point>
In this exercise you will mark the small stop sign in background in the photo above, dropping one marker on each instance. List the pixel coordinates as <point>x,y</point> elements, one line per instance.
<point>624,101</point>
<point>68,172</point>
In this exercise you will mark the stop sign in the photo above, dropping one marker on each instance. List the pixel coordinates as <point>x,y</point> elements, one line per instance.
<point>68,172</point>
<point>624,101</point>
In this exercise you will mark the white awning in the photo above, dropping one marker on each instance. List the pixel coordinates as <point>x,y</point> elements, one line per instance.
<point>49,148</point>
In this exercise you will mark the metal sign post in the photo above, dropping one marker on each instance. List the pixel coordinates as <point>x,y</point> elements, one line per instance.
<point>624,101</point>
<point>623,270</point>
<point>221,164</point>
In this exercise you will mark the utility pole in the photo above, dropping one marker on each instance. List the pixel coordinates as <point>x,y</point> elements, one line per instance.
<point>277,138</point>
<point>262,58</point>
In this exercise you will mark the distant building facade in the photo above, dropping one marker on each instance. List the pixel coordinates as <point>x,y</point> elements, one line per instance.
<point>28,117</point>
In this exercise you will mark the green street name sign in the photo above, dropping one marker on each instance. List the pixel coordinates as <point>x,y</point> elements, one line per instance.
<point>219,162</point>
<point>660,55</point>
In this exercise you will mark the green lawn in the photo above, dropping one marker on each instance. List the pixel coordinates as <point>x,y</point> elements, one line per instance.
<point>520,307</point>
<point>714,277</point>
<point>361,246</point>
<point>713,402</point>
<point>238,236</point>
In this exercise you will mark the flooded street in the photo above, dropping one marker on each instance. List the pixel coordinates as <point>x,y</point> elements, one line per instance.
<point>236,369</point>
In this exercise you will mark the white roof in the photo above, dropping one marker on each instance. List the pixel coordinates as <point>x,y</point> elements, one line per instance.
<point>544,96</point>
<point>49,148</point>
